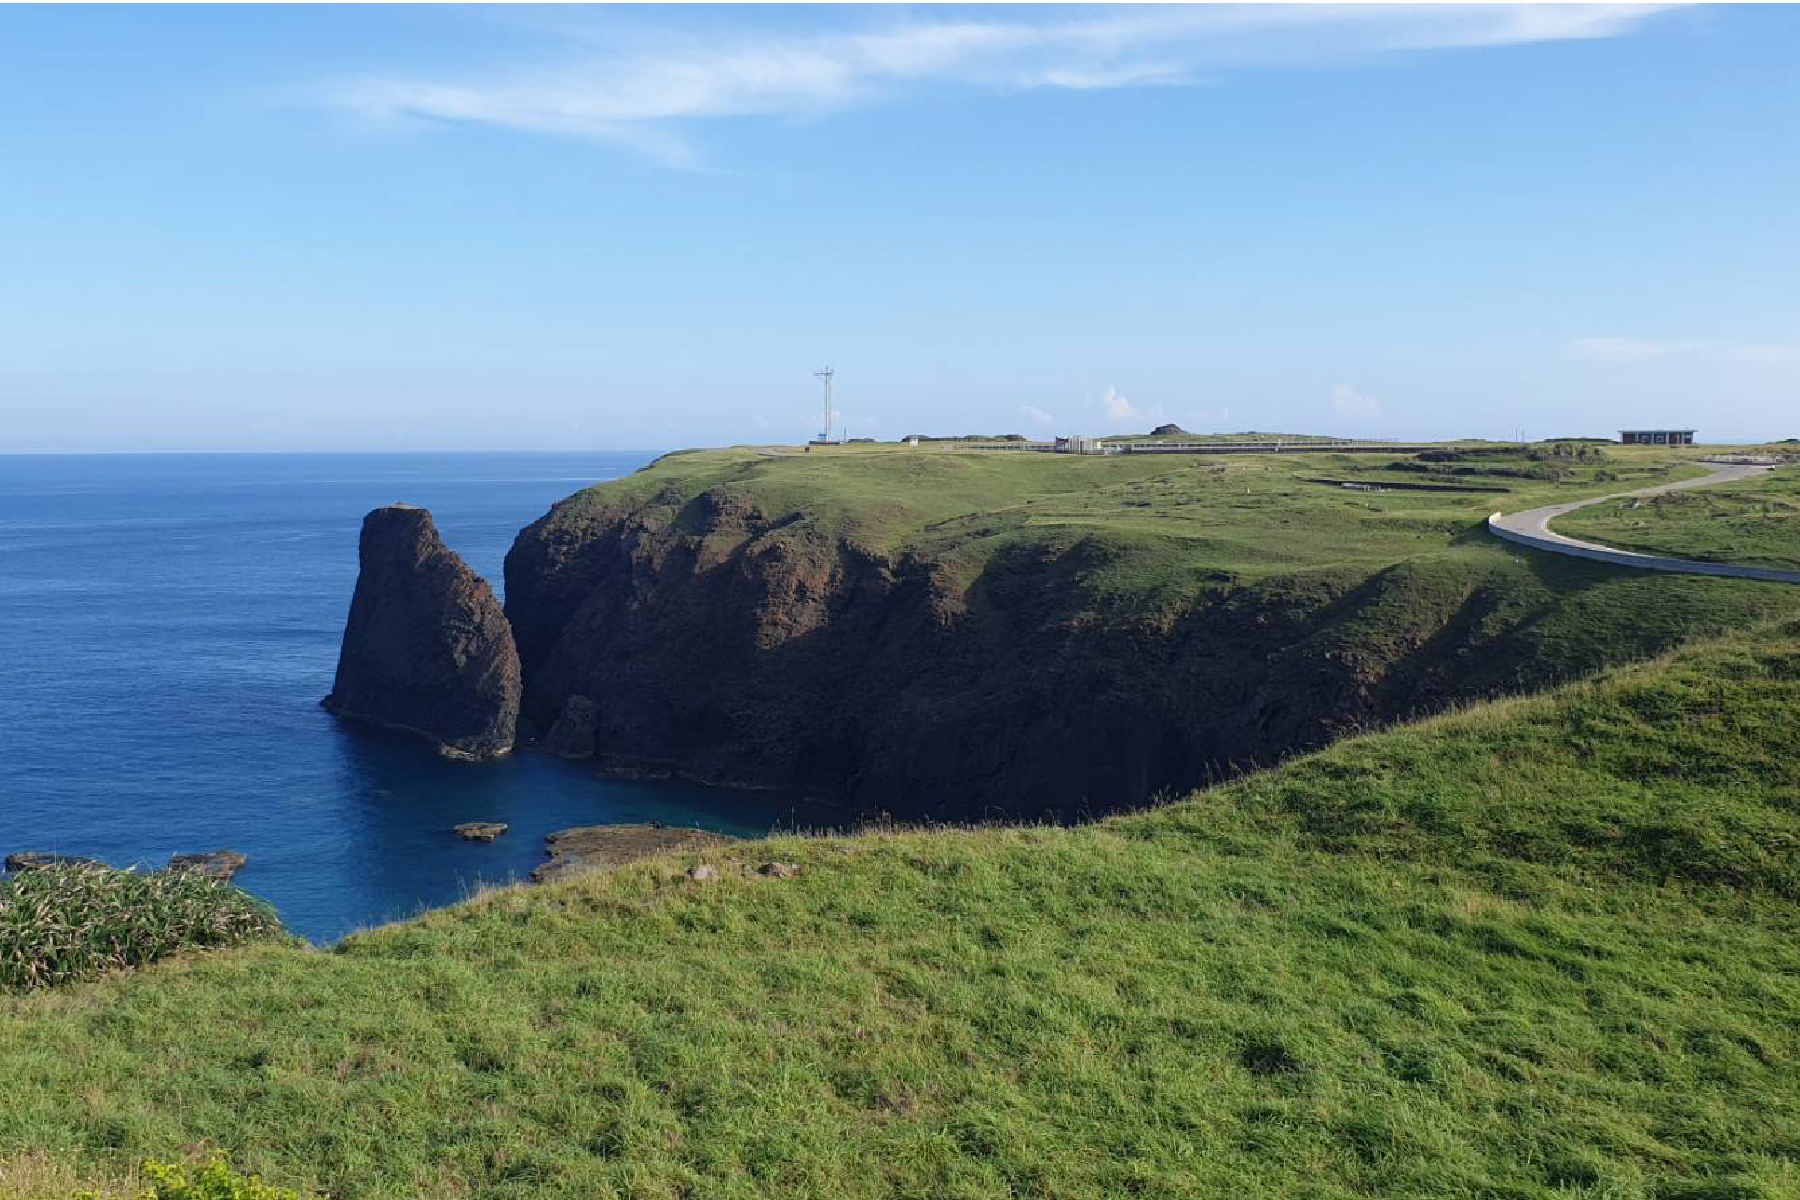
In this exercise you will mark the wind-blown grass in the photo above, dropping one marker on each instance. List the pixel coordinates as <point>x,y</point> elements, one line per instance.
<point>68,922</point>
<point>1543,948</point>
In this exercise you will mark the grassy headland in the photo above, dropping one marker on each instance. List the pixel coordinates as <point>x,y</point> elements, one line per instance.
<point>1234,518</point>
<point>952,633</point>
<point>1247,514</point>
<point>1756,523</point>
<point>1546,947</point>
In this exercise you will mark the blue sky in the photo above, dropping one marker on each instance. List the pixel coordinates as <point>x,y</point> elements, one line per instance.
<point>513,228</point>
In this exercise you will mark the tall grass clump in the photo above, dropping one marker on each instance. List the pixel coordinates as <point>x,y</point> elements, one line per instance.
<point>72,921</point>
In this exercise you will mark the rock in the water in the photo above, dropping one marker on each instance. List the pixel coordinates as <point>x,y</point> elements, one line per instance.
<point>214,864</point>
<point>31,860</point>
<point>576,730</point>
<point>592,847</point>
<point>479,831</point>
<point>780,870</point>
<point>426,649</point>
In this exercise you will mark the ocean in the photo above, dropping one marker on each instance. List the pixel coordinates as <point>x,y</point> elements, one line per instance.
<point>168,624</point>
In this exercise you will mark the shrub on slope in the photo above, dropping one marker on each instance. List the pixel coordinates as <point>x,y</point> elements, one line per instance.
<point>69,922</point>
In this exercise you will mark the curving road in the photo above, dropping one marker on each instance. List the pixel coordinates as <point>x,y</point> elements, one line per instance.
<point>1532,528</point>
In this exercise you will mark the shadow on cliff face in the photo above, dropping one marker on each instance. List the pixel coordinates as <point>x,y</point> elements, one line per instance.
<point>736,654</point>
<point>696,635</point>
<point>740,651</point>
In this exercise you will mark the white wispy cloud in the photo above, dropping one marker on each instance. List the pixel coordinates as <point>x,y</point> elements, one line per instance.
<point>643,91</point>
<point>1351,404</point>
<point>1118,407</point>
<point>1037,414</point>
<point>1722,350</point>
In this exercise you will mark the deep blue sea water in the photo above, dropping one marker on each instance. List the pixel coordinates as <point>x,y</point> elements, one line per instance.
<point>168,624</point>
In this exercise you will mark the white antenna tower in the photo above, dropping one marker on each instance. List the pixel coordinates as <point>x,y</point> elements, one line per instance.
<point>826,375</point>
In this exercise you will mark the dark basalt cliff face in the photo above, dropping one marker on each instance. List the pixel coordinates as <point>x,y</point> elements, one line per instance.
<point>706,639</point>
<point>703,635</point>
<point>427,648</point>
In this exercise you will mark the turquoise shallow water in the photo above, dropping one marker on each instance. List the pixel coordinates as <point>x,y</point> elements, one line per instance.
<point>168,624</point>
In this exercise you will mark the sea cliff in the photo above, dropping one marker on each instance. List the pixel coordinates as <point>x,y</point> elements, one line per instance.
<point>933,634</point>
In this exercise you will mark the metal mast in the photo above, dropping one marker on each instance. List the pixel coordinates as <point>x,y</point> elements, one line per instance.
<point>826,375</point>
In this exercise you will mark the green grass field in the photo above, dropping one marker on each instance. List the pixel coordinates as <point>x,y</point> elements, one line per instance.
<point>1547,947</point>
<point>1755,523</point>
<point>1239,516</point>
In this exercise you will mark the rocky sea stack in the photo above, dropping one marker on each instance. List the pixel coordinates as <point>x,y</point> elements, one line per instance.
<point>427,649</point>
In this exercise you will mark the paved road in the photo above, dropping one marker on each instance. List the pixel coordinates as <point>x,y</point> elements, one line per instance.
<point>1531,528</point>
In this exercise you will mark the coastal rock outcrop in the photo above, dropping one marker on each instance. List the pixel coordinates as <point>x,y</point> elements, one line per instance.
<point>219,865</point>
<point>32,860</point>
<point>600,847</point>
<point>480,831</point>
<point>427,649</point>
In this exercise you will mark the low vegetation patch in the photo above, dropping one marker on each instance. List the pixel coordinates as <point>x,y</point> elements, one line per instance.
<point>67,922</point>
<point>1756,523</point>
<point>213,1179</point>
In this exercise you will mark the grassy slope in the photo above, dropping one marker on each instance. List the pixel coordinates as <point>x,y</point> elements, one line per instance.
<point>1757,523</point>
<point>932,499</point>
<point>1547,947</point>
<point>1167,528</point>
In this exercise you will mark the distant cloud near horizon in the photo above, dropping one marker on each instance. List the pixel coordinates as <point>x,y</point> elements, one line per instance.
<point>1037,414</point>
<point>1119,408</point>
<point>621,86</point>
